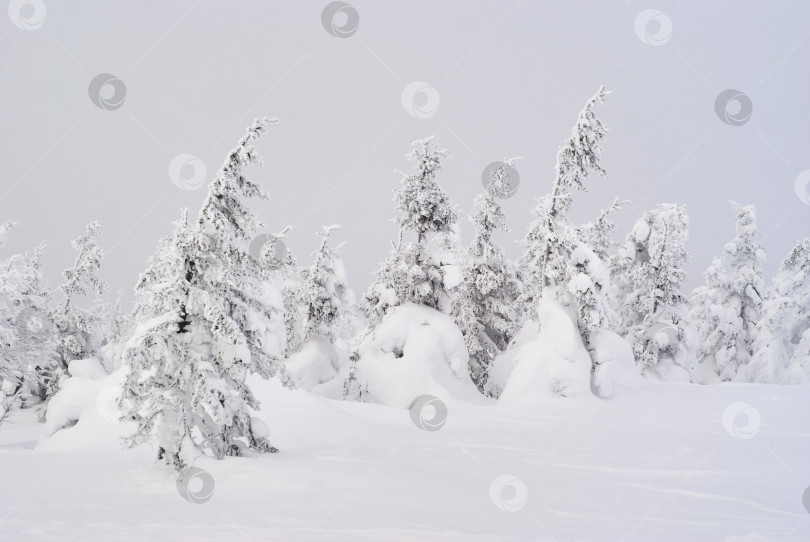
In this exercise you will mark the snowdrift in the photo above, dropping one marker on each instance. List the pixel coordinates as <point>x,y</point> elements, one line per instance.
<point>317,369</point>
<point>548,359</point>
<point>85,411</point>
<point>617,365</point>
<point>416,350</point>
<point>554,362</point>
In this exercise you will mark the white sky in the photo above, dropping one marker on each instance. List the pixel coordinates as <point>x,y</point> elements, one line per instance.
<point>510,76</point>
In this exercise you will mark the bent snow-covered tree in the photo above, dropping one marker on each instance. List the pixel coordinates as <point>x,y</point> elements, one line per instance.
<point>563,262</point>
<point>204,321</point>
<point>545,264</point>
<point>485,309</point>
<point>727,309</point>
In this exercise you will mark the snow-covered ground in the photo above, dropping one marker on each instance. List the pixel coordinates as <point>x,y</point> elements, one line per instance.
<point>654,462</point>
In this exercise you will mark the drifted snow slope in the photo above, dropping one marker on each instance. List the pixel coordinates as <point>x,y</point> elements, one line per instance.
<point>650,463</point>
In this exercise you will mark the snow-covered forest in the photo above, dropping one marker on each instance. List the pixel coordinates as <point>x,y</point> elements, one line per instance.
<point>255,390</point>
<point>444,321</point>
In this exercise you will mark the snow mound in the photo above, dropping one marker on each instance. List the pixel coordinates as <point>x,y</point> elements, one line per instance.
<point>316,368</point>
<point>87,368</point>
<point>554,363</point>
<point>504,364</point>
<point>617,365</point>
<point>416,350</point>
<point>84,413</point>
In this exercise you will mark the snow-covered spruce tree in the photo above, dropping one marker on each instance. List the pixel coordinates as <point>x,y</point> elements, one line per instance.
<point>116,326</point>
<point>591,259</point>
<point>79,330</point>
<point>325,297</point>
<point>649,272</point>
<point>781,338</point>
<point>204,322</point>
<point>563,262</point>
<point>290,282</point>
<point>29,364</point>
<point>418,271</point>
<point>710,318</point>
<point>588,286</point>
<point>485,309</point>
<point>727,309</point>
<point>164,392</point>
<point>598,235</point>
<point>545,264</point>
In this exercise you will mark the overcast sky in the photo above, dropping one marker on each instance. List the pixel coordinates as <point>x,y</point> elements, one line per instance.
<point>509,77</point>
